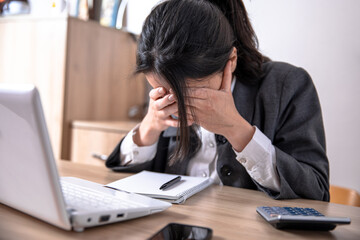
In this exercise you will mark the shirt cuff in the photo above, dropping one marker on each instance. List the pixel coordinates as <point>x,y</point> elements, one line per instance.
<point>130,153</point>
<point>259,160</point>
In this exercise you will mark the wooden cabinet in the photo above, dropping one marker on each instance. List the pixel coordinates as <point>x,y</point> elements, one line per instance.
<point>32,50</point>
<point>83,71</point>
<point>89,137</point>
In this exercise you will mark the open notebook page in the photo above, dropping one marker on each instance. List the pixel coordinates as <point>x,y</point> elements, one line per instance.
<point>148,183</point>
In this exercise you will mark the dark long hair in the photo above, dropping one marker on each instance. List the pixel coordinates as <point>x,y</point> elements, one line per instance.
<point>192,39</point>
<point>249,60</point>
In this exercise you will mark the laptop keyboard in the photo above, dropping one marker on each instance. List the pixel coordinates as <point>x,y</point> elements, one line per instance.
<point>78,197</point>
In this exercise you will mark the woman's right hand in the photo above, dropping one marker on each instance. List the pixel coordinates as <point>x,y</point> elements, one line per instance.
<point>158,118</point>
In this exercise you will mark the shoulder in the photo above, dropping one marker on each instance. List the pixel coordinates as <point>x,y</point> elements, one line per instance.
<point>285,75</point>
<point>291,85</point>
<point>283,84</point>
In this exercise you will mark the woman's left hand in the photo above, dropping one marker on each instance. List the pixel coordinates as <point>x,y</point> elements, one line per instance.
<point>215,111</point>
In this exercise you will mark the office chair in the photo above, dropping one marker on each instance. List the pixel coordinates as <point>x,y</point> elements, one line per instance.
<point>345,196</point>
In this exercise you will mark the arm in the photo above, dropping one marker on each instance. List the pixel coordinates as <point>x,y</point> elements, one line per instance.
<point>128,157</point>
<point>288,112</point>
<point>138,148</point>
<point>290,116</point>
<point>131,153</point>
<point>299,141</point>
<point>259,160</point>
<point>156,164</point>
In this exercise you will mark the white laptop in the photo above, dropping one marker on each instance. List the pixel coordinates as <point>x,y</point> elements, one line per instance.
<point>29,180</point>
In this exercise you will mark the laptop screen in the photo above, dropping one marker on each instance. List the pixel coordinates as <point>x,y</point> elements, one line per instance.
<point>29,180</point>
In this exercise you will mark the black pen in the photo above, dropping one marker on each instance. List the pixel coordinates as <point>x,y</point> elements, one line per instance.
<point>170,183</point>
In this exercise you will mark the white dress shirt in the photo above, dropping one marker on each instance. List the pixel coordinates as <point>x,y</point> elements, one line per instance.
<point>258,157</point>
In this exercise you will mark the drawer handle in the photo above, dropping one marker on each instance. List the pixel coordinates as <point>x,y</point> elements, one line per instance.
<point>99,156</point>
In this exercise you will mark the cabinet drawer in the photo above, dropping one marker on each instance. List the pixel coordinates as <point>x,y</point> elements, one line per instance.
<point>96,137</point>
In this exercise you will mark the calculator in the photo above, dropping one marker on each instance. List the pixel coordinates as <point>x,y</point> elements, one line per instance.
<point>299,218</point>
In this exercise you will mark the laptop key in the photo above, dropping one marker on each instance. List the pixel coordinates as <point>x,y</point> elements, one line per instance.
<point>78,197</point>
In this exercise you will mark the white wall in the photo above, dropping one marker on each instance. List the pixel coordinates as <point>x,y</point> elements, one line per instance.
<point>137,11</point>
<point>322,36</point>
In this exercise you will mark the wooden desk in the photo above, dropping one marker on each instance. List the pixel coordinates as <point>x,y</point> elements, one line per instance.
<point>230,212</point>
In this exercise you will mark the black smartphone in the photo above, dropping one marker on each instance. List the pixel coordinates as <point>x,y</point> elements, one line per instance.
<point>177,231</point>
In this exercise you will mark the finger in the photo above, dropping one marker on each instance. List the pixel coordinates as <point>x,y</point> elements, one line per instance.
<point>171,122</point>
<point>167,100</point>
<point>200,93</point>
<point>196,103</point>
<point>157,93</point>
<point>227,78</point>
<point>196,113</point>
<point>189,116</point>
<point>168,110</point>
<point>176,114</point>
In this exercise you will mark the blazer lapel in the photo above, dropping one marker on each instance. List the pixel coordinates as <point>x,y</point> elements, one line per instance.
<point>244,98</point>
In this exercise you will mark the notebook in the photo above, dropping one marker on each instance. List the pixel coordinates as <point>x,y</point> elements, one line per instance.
<point>29,180</point>
<point>148,183</point>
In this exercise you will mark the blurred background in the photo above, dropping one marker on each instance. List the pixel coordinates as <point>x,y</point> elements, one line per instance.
<point>81,55</point>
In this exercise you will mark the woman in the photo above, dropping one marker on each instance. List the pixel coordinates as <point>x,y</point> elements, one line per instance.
<point>219,108</point>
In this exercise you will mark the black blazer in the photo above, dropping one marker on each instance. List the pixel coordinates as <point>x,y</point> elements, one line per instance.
<point>284,105</point>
